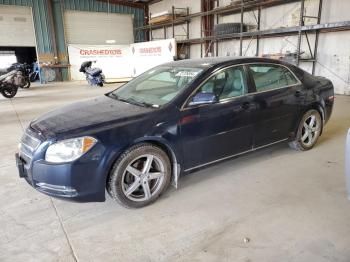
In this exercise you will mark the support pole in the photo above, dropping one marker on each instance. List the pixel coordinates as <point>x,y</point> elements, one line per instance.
<point>317,37</point>
<point>217,22</point>
<point>146,22</point>
<point>150,28</point>
<point>301,23</point>
<point>188,24</point>
<point>241,36</point>
<point>258,28</point>
<point>172,20</point>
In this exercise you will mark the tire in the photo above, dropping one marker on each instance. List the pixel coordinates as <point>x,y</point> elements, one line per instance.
<point>9,91</point>
<point>308,132</point>
<point>132,172</point>
<point>33,77</point>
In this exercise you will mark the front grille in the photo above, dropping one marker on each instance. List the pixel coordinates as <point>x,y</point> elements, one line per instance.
<point>29,143</point>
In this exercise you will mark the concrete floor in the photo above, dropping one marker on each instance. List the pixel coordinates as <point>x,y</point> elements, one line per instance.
<point>291,206</point>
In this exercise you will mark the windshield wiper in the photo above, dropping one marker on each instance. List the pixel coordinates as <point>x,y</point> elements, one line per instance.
<point>139,103</point>
<point>112,95</point>
<point>132,101</point>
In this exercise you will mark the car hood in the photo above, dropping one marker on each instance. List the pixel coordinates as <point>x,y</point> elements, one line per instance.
<point>89,115</point>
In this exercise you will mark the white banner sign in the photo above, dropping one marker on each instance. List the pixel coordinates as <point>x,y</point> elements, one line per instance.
<point>121,61</point>
<point>112,59</point>
<point>146,55</point>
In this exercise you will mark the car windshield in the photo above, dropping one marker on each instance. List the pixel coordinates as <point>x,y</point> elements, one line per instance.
<point>157,86</point>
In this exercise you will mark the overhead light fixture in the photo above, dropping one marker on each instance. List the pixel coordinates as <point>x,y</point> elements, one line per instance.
<point>110,41</point>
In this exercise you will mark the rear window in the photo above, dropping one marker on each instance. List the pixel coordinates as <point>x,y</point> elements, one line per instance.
<point>269,77</point>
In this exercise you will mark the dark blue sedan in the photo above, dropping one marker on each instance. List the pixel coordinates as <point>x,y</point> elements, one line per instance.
<point>173,119</point>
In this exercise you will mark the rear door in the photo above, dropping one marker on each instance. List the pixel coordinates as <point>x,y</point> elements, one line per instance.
<point>277,98</point>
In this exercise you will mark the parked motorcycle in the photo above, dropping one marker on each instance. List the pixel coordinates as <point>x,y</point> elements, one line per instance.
<point>10,82</point>
<point>34,75</point>
<point>26,71</point>
<point>94,76</point>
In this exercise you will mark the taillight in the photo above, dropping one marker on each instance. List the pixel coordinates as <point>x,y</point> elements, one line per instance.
<point>331,98</point>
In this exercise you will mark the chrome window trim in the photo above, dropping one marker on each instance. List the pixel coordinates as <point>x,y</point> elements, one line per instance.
<point>185,105</point>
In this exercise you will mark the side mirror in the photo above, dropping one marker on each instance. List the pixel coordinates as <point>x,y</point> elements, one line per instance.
<point>203,98</point>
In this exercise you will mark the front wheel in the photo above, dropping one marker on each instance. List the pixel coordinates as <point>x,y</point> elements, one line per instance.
<point>309,131</point>
<point>9,91</point>
<point>139,176</point>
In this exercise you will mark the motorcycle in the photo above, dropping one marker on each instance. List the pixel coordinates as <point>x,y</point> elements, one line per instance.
<point>34,74</point>
<point>26,71</point>
<point>94,76</point>
<point>10,82</point>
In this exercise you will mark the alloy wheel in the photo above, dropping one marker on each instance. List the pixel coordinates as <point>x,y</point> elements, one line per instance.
<point>143,177</point>
<point>310,130</point>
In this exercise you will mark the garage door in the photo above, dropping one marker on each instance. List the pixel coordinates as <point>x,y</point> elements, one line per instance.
<point>94,28</point>
<point>16,26</point>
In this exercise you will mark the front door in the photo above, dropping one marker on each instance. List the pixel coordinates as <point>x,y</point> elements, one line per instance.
<point>277,101</point>
<point>221,129</point>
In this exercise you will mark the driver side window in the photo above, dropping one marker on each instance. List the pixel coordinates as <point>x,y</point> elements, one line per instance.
<point>227,83</point>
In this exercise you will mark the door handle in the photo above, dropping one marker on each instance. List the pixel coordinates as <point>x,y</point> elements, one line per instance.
<point>245,105</point>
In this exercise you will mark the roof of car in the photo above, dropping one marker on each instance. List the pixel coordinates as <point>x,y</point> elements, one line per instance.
<point>214,61</point>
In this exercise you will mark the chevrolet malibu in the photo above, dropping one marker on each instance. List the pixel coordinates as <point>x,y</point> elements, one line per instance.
<point>175,118</point>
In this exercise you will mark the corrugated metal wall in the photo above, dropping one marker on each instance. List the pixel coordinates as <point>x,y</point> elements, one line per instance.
<point>44,34</point>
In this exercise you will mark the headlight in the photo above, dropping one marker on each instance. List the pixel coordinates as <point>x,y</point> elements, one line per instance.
<point>69,150</point>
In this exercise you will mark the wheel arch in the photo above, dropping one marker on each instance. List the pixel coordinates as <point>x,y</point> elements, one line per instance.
<point>315,105</point>
<point>162,144</point>
<point>319,107</point>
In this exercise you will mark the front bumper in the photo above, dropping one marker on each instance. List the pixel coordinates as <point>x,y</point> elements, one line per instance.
<point>82,180</point>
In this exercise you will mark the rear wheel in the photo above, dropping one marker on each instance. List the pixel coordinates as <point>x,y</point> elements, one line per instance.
<point>309,130</point>
<point>139,176</point>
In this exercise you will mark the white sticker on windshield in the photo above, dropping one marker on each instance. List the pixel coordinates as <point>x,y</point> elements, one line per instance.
<point>187,74</point>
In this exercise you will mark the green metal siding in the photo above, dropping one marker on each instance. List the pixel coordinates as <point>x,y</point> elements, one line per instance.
<point>59,27</point>
<point>44,35</point>
<point>42,26</point>
<point>41,19</point>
